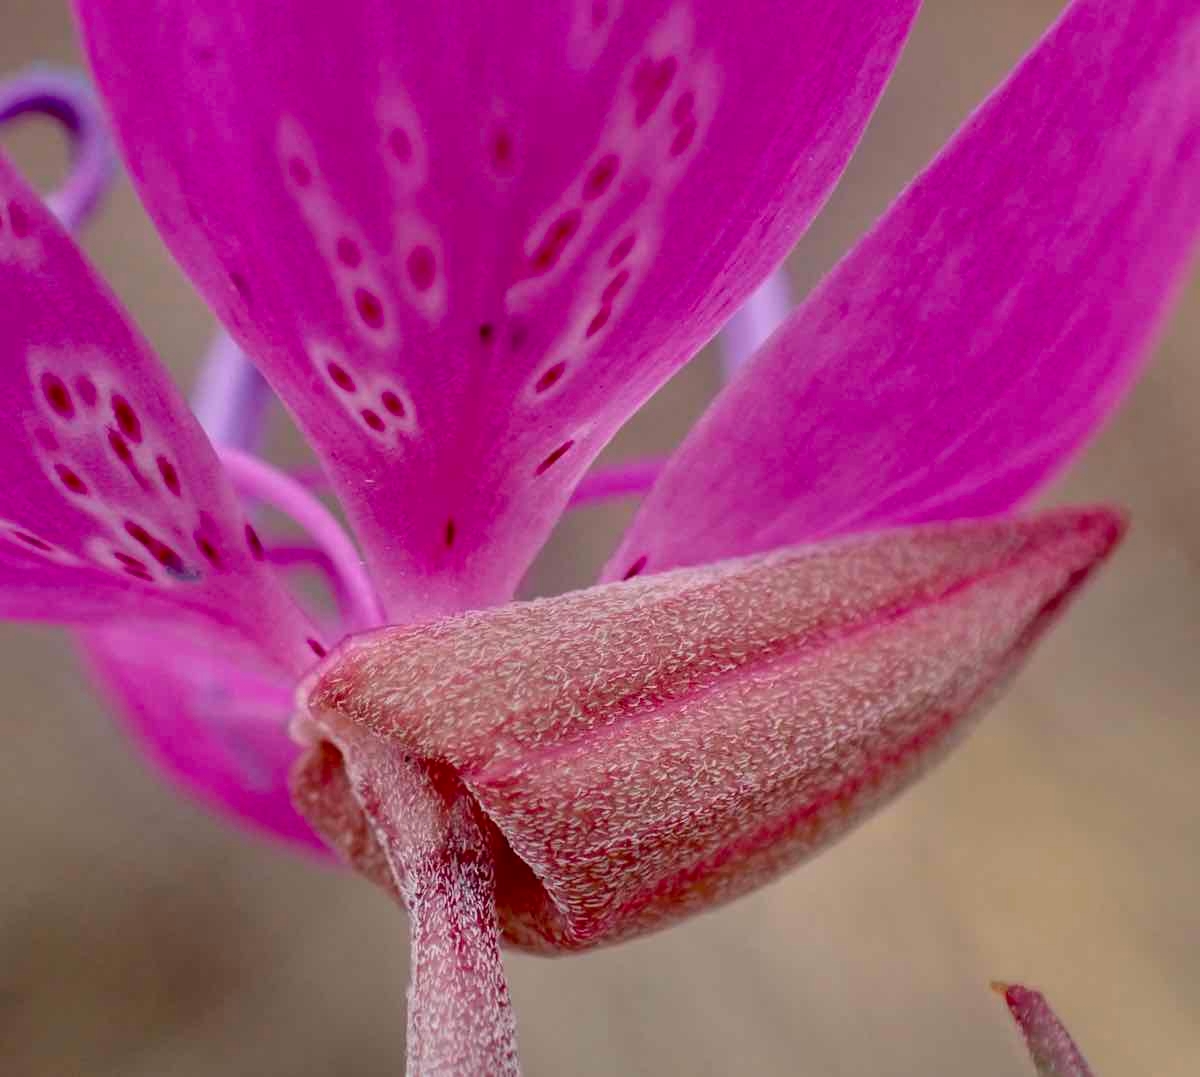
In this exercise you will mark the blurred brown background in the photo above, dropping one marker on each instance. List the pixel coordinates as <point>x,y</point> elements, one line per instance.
<point>139,936</point>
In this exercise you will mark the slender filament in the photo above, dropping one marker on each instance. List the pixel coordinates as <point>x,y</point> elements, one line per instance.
<point>231,396</point>
<point>754,323</point>
<point>256,479</point>
<point>68,99</point>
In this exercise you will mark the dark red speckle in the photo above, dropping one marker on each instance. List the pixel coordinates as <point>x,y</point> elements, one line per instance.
<point>555,241</point>
<point>19,219</point>
<point>127,420</point>
<point>553,458</point>
<point>55,391</point>
<point>348,252</point>
<point>502,152</point>
<point>339,376</point>
<point>599,321</point>
<point>138,533</point>
<point>123,453</point>
<point>372,419</point>
<point>600,178</point>
<point>621,251</point>
<point>32,540</point>
<point>613,287</point>
<point>392,404</point>
<point>550,377</point>
<point>71,480</point>
<point>119,447</point>
<point>254,543</point>
<point>316,648</point>
<point>422,268</point>
<point>86,390</point>
<point>169,475</point>
<point>300,172</point>
<point>369,308</point>
<point>159,550</point>
<point>449,534</point>
<point>683,138</point>
<point>207,550</point>
<point>635,569</point>
<point>650,84</point>
<point>400,145</point>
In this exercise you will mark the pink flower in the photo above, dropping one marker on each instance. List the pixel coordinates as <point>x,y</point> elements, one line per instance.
<point>463,247</point>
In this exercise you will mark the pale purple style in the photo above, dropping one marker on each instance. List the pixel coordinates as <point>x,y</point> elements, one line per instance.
<point>66,98</point>
<point>464,246</point>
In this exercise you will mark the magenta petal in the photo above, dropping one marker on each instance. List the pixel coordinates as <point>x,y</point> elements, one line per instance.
<point>977,336</point>
<point>1050,1045</point>
<point>111,499</point>
<point>210,718</point>
<point>465,241</point>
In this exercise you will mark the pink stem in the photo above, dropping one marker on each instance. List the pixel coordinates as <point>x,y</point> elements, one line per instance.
<point>257,479</point>
<point>460,1018</point>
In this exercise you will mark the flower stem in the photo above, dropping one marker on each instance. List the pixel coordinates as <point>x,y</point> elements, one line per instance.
<point>460,1018</point>
<point>432,833</point>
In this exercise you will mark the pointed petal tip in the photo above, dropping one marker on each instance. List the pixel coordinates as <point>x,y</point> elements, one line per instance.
<point>1110,520</point>
<point>1103,527</point>
<point>1053,1052</point>
<point>1107,524</point>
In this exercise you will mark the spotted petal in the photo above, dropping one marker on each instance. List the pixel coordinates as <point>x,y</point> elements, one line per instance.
<point>652,748</point>
<point>466,240</point>
<point>112,501</point>
<point>976,337</point>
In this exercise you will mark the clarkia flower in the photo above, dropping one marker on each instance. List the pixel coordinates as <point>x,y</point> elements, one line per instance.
<point>463,243</point>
